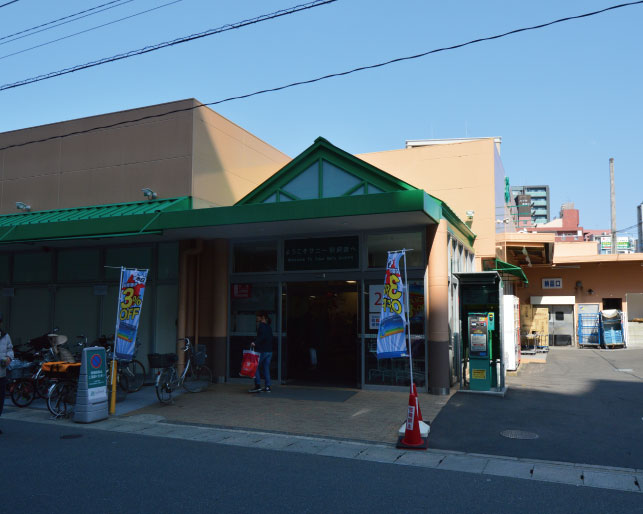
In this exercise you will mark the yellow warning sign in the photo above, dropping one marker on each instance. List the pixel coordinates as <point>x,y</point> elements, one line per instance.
<point>479,374</point>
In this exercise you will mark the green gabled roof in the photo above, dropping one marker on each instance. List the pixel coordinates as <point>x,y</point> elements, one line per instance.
<point>363,176</point>
<point>104,220</point>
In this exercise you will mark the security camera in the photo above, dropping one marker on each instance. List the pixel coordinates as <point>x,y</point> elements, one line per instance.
<point>148,193</point>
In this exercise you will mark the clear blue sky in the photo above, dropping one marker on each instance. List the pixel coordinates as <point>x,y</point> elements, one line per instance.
<point>564,99</point>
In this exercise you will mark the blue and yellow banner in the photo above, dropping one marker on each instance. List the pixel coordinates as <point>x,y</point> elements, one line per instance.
<point>391,336</point>
<point>130,302</point>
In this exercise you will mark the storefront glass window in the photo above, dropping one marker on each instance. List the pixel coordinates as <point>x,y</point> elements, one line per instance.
<point>76,312</point>
<point>380,244</point>
<point>4,269</point>
<point>129,257</point>
<point>32,267</point>
<point>391,372</point>
<point>168,261</point>
<point>255,257</point>
<point>245,301</point>
<point>75,265</point>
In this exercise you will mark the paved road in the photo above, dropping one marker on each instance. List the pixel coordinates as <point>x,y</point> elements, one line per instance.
<point>586,406</point>
<point>107,471</point>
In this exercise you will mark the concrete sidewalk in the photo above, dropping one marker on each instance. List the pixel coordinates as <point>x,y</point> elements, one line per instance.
<point>353,414</point>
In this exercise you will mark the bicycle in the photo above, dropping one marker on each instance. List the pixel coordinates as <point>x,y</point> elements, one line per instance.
<point>130,375</point>
<point>196,376</point>
<point>25,389</point>
<point>61,398</point>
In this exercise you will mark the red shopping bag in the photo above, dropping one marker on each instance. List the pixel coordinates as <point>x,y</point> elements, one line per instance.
<point>249,363</point>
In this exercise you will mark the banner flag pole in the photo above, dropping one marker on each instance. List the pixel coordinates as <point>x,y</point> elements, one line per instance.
<point>408,320</point>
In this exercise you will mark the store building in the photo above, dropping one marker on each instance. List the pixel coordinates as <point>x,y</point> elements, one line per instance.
<point>236,227</point>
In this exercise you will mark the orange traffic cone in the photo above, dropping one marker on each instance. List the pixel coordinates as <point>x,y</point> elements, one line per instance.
<point>417,403</point>
<point>412,438</point>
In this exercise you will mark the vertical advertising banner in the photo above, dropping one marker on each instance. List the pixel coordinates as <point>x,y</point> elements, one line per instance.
<point>130,302</point>
<point>391,335</point>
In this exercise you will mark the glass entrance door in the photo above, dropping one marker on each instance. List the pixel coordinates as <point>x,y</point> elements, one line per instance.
<point>321,344</point>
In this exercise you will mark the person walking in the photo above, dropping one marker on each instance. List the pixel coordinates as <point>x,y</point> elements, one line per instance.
<point>263,345</point>
<point>6,355</point>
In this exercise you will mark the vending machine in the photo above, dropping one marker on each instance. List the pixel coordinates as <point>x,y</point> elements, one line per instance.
<point>480,330</point>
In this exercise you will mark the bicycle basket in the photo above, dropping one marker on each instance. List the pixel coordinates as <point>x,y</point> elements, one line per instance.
<point>199,357</point>
<point>61,369</point>
<point>162,360</point>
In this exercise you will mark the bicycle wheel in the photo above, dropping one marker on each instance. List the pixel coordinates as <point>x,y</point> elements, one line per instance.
<point>135,373</point>
<point>62,398</point>
<point>23,392</point>
<point>164,385</point>
<point>42,387</point>
<point>197,380</point>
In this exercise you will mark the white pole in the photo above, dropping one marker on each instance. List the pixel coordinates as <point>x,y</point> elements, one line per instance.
<point>408,321</point>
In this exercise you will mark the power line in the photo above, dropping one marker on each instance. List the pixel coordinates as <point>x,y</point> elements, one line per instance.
<point>310,81</point>
<point>178,41</point>
<point>90,29</point>
<point>8,3</point>
<point>59,19</point>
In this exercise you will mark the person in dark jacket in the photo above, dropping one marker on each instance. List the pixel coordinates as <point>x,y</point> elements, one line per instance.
<point>263,345</point>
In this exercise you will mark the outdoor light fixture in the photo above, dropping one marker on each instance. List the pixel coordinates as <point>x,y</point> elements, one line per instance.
<point>148,193</point>
<point>22,206</point>
<point>590,292</point>
<point>579,284</point>
<point>470,214</point>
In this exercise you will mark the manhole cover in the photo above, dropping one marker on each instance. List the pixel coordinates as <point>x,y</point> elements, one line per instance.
<point>518,434</point>
<point>71,436</point>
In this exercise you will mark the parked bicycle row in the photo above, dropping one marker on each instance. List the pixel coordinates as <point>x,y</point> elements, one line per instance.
<point>48,367</point>
<point>30,375</point>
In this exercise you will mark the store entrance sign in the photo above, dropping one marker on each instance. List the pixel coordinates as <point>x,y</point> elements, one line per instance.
<point>321,253</point>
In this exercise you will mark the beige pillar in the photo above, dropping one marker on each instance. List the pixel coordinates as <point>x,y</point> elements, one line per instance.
<point>437,273</point>
<point>220,288</point>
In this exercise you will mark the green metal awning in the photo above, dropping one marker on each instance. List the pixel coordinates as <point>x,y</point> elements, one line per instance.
<point>93,221</point>
<point>506,268</point>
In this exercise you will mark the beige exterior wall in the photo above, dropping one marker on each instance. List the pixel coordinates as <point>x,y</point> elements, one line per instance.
<point>575,249</point>
<point>606,279</point>
<point>460,174</point>
<point>100,167</point>
<point>195,153</point>
<point>229,161</point>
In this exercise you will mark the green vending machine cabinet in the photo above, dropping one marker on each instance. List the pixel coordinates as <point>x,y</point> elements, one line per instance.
<point>480,327</point>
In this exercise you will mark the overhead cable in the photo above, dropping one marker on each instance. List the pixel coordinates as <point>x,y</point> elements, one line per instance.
<point>310,81</point>
<point>76,16</point>
<point>178,41</point>
<point>90,29</point>
<point>8,3</point>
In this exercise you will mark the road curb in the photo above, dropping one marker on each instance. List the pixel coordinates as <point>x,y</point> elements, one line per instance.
<point>583,475</point>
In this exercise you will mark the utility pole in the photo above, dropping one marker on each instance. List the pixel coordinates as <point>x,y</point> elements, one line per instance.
<point>613,204</point>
